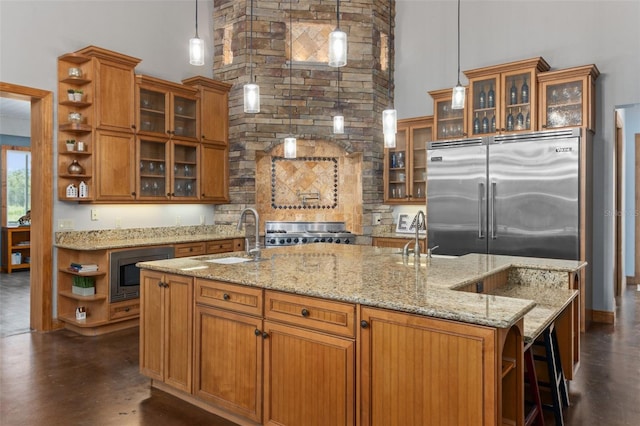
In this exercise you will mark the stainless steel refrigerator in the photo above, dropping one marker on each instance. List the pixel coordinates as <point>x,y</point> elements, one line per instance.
<point>514,194</point>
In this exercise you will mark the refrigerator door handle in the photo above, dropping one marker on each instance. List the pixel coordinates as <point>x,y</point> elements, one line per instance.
<point>493,211</point>
<point>480,203</point>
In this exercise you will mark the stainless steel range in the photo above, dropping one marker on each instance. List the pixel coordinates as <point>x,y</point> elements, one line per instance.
<point>293,233</point>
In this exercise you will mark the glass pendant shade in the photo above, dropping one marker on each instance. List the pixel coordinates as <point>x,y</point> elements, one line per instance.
<point>389,140</point>
<point>337,48</point>
<point>457,100</point>
<point>290,147</point>
<point>338,124</point>
<point>389,121</point>
<point>251,98</point>
<point>196,51</point>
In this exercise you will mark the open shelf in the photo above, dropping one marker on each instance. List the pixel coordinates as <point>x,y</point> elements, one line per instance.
<point>92,298</point>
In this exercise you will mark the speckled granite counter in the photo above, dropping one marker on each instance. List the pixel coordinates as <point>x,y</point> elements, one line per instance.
<point>138,237</point>
<point>375,277</point>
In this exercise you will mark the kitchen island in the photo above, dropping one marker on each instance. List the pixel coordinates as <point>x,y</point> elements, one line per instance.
<point>350,335</point>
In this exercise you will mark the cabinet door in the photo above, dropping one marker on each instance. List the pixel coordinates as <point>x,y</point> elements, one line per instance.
<point>564,104</point>
<point>152,326</point>
<point>420,136</point>
<point>153,111</point>
<point>214,183</point>
<point>185,170</point>
<point>115,91</point>
<point>228,361</point>
<point>115,176</point>
<point>309,378</point>
<point>419,371</point>
<point>396,168</point>
<point>214,117</point>
<point>178,326</point>
<point>484,102</point>
<point>519,96</point>
<point>184,117</point>
<point>153,169</point>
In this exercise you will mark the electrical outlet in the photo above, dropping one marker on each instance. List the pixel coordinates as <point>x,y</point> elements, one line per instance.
<point>65,224</point>
<point>479,287</point>
<point>376,218</point>
<point>202,219</point>
<point>178,220</point>
<point>118,223</point>
<point>94,214</point>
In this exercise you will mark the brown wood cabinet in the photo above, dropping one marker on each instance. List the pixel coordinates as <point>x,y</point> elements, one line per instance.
<point>567,98</point>
<point>103,82</point>
<point>115,169</point>
<point>405,169</point>
<point>398,242</point>
<point>166,328</point>
<point>16,240</point>
<point>503,98</point>
<point>229,347</point>
<point>448,123</point>
<point>418,370</point>
<point>309,359</point>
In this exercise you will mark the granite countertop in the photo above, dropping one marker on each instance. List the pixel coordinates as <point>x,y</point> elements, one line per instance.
<point>139,237</point>
<point>377,277</point>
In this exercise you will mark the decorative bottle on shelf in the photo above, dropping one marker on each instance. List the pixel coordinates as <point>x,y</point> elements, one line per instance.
<point>491,97</point>
<point>493,123</point>
<point>524,92</point>
<point>528,121</point>
<point>513,93</point>
<point>482,99</point>
<point>75,168</point>
<point>485,123</point>
<point>510,121</point>
<point>519,120</point>
<point>476,125</point>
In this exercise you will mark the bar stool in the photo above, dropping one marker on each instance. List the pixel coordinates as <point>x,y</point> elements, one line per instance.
<point>557,384</point>
<point>535,415</point>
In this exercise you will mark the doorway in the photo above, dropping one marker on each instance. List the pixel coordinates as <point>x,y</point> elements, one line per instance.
<point>41,275</point>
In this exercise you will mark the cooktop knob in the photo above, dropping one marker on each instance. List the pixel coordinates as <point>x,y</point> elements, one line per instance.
<point>304,241</point>
<point>272,241</point>
<point>322,240</point>
<point>295,240</point>
<point>282,241</point>
<point>316,240</point>
<point>329,240</point>
<point>346,241</point>
<point>289,240</point>
<point>337,241</point>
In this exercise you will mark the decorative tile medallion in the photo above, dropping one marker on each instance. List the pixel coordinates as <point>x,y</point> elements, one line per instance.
<point>304,183</point>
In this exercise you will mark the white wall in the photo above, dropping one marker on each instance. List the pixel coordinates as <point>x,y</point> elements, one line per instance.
<point>566,34</point>
<point>34,33</point>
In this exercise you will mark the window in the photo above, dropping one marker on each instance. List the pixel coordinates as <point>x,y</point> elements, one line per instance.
<point>16,183</point>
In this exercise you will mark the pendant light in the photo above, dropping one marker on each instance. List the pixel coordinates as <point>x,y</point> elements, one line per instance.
<point>457,99</point>
<point>337,44</point>
<point>290,141</point>
<point>338,119</point>
<point>196,46</point>
<point>389,115</point>
<point>251,89</point>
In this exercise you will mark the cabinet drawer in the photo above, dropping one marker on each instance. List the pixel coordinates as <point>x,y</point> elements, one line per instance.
<point>220,246</point>
<point>129,308</point>
<point>236,298</point>
<point>318,314</point>
<point>189,249</point>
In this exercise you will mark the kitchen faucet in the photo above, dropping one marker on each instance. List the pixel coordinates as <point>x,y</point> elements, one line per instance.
<point>255,251</point>
<point>416,246</point>
<point>430,251</point>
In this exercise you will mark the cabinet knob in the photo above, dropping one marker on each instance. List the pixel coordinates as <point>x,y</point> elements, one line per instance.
<point>226,296</point>
<point>204,137</point>
<point>203,194</point>
<point>127,309</point>
<point>304,312</point>
<point>168,194</point>
<point>364,324</point>
<point>133,194</point>
<point>159,283</point>
<point>265,335</point>
<point>257,332</point>
<point>544,126</point>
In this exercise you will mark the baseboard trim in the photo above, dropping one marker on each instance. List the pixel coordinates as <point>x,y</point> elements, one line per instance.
<point>604,317</point>
<point>631,280</point>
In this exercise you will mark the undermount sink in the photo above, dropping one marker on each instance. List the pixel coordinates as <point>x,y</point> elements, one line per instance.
<point>229,260</point>
<point>433,256</point>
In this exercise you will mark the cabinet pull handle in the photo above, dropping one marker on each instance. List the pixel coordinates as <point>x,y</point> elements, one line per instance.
<point>226,296</point>
<point>305,313</point>
<point>257,332</point>
<point>364,324</point>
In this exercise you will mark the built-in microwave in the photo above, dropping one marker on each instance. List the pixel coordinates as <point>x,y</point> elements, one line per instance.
<point>125,275</point>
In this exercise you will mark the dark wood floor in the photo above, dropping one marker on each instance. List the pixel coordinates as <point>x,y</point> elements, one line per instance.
<point>61,378</point>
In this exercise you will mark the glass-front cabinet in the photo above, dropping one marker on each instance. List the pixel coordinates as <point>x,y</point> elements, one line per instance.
<point>405,170</point>
<point>448,123</point>
<point>502,98</point>
<point>567,97</point>
<point>166,108</point>
<point>168,170</point>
